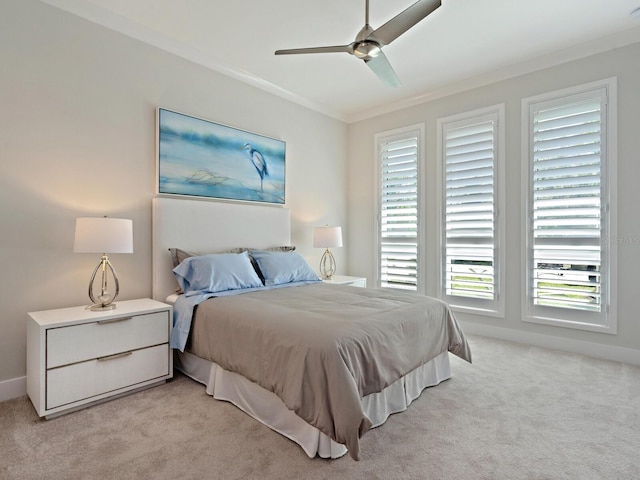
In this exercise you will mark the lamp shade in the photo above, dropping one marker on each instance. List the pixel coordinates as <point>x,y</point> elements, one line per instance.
<point>327,237</point>
<point>103,235</point>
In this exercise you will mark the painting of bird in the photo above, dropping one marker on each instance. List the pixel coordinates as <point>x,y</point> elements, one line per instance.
<point>259,162</point>
<point>200,158</point>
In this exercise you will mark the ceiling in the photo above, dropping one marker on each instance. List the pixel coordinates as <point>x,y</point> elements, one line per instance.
<point>463,44</point>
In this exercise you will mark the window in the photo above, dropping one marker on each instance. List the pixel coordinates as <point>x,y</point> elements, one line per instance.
<point>569,218</point>
<point>470,153</point>
<point>398,155</point>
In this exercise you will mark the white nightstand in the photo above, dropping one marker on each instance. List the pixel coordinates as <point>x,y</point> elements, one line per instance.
<point>77,357</point>
<point>345,280</point>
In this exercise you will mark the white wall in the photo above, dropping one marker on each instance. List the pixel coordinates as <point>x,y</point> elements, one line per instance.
<point>624,64</point>
<point>77,138</point>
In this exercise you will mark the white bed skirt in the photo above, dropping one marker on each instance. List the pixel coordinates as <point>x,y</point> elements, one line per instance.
<point>267,408</point>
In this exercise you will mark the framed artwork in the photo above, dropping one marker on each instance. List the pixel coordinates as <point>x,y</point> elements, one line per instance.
<point>200,158</point>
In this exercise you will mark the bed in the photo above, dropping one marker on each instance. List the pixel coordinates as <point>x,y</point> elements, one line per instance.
<point>321,364</point>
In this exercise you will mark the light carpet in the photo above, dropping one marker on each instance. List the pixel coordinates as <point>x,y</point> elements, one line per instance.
<point>518,412</point>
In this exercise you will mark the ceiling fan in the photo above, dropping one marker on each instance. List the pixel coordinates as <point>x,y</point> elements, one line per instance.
<point>369,42</point>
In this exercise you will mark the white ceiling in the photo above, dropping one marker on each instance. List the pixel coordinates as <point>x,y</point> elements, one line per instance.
<point>462,44</point>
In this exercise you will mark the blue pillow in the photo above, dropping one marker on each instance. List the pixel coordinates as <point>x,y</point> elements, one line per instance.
<point>283,267</point>
<point>216,273</point>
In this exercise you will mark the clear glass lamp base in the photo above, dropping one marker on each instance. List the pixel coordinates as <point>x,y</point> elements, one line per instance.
<point>104,301</point>
<point>327,265</point>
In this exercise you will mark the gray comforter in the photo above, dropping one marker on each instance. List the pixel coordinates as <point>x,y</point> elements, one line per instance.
<point>321,348</point>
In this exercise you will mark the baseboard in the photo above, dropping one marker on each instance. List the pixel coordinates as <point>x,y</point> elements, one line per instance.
<point>14,388</point>
<point>590,349</point>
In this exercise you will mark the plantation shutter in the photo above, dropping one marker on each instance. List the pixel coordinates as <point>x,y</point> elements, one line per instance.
<point>469,150</point>
<point>566,203</point>
<point>398,220</point>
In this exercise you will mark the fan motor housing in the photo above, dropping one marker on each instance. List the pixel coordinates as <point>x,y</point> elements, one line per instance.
<point>367,49</point>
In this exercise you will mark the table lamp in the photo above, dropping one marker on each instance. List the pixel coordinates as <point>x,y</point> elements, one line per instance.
<point>327,237</point>
<point>103,235</point>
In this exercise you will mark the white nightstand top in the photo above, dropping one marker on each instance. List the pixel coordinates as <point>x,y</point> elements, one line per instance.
<point>70,315</point>
<point>347,280</point>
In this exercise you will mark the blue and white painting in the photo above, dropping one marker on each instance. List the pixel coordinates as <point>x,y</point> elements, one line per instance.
<point>204,159</point>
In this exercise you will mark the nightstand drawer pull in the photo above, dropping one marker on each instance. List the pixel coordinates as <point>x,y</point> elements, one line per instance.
<point>113,320</point>
<point>113,357</point>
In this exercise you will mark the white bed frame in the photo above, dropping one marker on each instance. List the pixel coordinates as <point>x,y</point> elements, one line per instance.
<point>209,227</point>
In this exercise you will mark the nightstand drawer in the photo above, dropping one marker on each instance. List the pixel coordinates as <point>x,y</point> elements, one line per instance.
<point>77,343</point>
<point>88,379</point>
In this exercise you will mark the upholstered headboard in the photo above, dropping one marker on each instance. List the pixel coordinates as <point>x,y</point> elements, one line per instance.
<point>208,227</point>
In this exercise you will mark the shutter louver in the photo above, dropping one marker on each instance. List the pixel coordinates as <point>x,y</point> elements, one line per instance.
<point>566,207</point>
<point>469,163</point>
<point>399,213</point>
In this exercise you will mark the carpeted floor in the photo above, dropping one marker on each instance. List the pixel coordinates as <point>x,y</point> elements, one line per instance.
<point>518,412</point>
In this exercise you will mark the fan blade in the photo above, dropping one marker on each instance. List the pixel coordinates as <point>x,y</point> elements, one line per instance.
<point>337,48</point>
<point>402,22</point>
<point>382,68</point>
